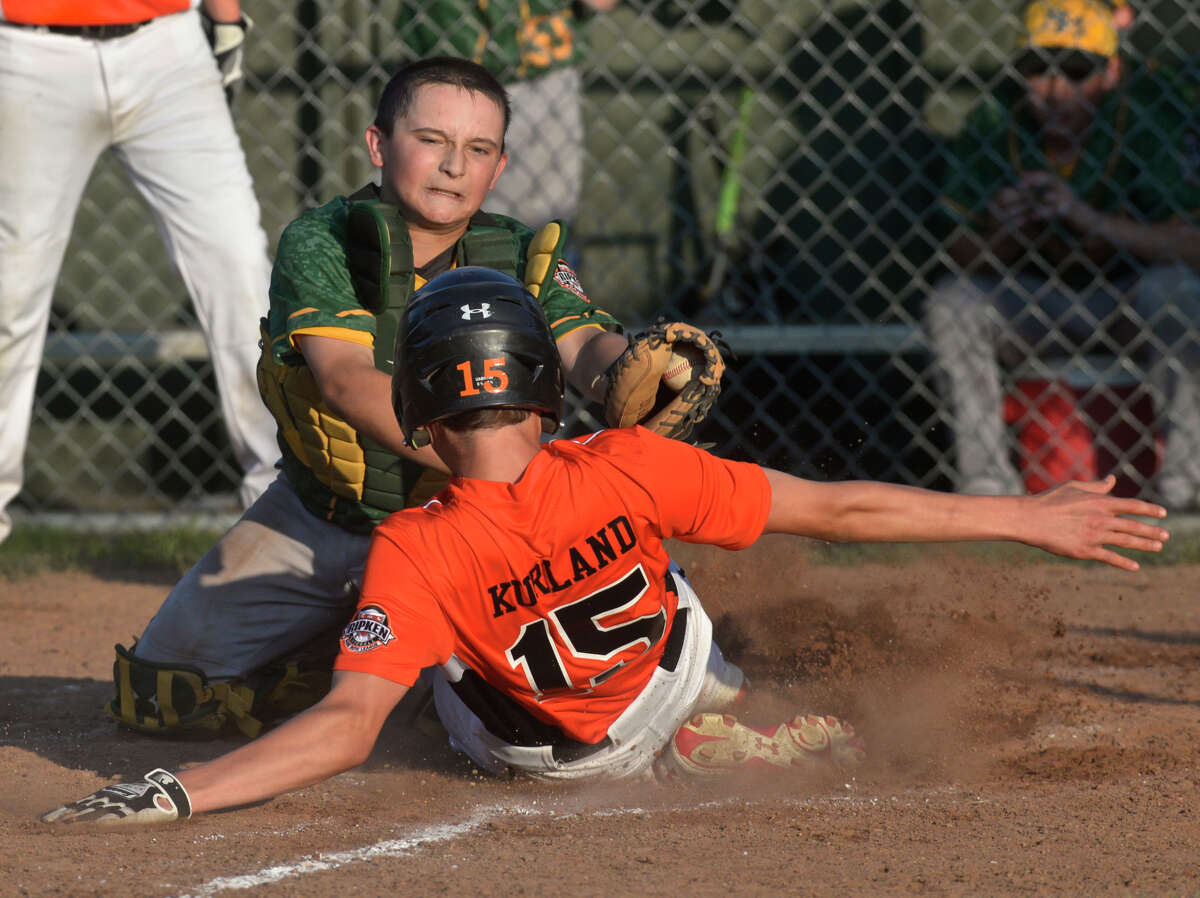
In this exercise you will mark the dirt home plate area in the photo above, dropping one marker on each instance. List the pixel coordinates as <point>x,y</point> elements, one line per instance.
<point>1032,729</point>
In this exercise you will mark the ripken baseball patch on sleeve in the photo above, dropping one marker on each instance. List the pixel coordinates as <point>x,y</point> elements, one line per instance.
<point>565,276</point>
<point>369,630</point>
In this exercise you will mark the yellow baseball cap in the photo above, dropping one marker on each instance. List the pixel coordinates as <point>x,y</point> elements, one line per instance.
<point>1086,25</point>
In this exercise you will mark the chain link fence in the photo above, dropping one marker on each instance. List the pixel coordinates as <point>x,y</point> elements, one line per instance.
<point>771,169</point>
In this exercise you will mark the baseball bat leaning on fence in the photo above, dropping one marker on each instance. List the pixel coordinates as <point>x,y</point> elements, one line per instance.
<point>728,198</point>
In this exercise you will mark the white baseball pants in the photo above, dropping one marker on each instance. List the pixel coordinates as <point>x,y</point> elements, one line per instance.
<point>544,176</point>
<point>154,98</point>
<point>700,678</point>
<point>974,321</point>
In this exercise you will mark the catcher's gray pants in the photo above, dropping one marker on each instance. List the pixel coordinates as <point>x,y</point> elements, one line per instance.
<point>154,98</point>
<point>545,150</point>
<point>279,579</point>
<point>974,323</point>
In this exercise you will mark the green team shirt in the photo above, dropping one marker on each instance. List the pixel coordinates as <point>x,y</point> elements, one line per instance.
<point>312,292</point>
<point>1142,157</point>
<point>513,39</point>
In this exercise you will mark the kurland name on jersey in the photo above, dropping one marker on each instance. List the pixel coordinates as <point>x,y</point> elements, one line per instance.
<point>581,561</point>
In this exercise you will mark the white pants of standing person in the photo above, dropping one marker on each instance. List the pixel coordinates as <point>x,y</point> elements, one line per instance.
<point>154,97</point>
<point>544,175</point>
<point>976,323</point>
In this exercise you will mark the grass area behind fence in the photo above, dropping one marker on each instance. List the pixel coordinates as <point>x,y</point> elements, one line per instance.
<point>36,550</point>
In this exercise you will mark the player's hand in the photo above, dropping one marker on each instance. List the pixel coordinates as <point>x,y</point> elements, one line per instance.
<point>157,798</point>
<point>1080,520</point>
<point>1010,209</point>
<point>228,42</point>
<point>1052,199</point>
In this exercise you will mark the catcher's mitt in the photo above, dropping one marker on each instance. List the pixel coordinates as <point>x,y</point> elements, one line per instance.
<point>637,394</point>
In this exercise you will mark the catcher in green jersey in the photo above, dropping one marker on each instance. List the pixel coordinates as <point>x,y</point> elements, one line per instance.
<point>251,629</point>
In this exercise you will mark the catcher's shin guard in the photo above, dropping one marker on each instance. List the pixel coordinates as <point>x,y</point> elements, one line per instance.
<point>290,686</point>
<point>168,699</point>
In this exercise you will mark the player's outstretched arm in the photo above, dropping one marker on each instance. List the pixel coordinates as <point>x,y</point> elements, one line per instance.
<point>1077,520</point>
<point>1080,520</point>
<point>334,735</point>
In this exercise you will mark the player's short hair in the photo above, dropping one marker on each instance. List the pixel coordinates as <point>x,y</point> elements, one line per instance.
<point>486,418</point>
<point>401,90</point>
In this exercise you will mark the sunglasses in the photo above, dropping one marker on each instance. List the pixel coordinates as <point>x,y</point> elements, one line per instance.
<point>1074,65</point>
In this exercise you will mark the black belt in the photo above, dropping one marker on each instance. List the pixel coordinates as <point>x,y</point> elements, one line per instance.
<point>91,32</point>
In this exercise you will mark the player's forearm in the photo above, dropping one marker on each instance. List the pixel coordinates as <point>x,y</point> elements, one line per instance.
<point>982,253</point>
<point>223,10</point>
<point>358,393</point>
<point>312,747</point>
<point>864,511</point>
<point>363,399</point>
<point>1174,241</point>
<point>587,354</point>
<point>1076,520</point>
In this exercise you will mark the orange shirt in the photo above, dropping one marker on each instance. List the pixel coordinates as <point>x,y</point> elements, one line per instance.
<point>553,588</point>
<point>88,12</point>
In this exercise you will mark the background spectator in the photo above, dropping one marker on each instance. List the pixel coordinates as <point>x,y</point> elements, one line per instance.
<point>1074,193</point>
<point>534,48</point>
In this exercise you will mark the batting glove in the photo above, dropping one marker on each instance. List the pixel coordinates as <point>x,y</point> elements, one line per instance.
<point>158,798</point>
<point>228,42</point>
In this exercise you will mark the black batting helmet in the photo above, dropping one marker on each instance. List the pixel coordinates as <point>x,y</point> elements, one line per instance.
<point>474,338</point>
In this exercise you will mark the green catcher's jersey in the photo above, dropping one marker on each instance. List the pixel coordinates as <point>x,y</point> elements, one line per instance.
<point>312,293</point>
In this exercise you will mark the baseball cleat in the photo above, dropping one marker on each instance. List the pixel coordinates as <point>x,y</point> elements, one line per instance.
<point>810,738</point>
<point>712,744</point>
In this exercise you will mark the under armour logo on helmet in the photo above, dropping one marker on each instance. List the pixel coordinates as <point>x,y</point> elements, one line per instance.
<point>484,311</point>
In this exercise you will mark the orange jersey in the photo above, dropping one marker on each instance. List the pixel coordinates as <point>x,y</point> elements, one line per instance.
<point>552,589</point>
<point>88,12</point>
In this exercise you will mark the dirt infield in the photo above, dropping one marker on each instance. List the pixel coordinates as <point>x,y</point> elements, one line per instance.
<point>1032,730</point>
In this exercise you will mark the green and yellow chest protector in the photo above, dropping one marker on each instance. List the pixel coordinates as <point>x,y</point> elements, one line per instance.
<point>380,261</point>
<point>379,254</point>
